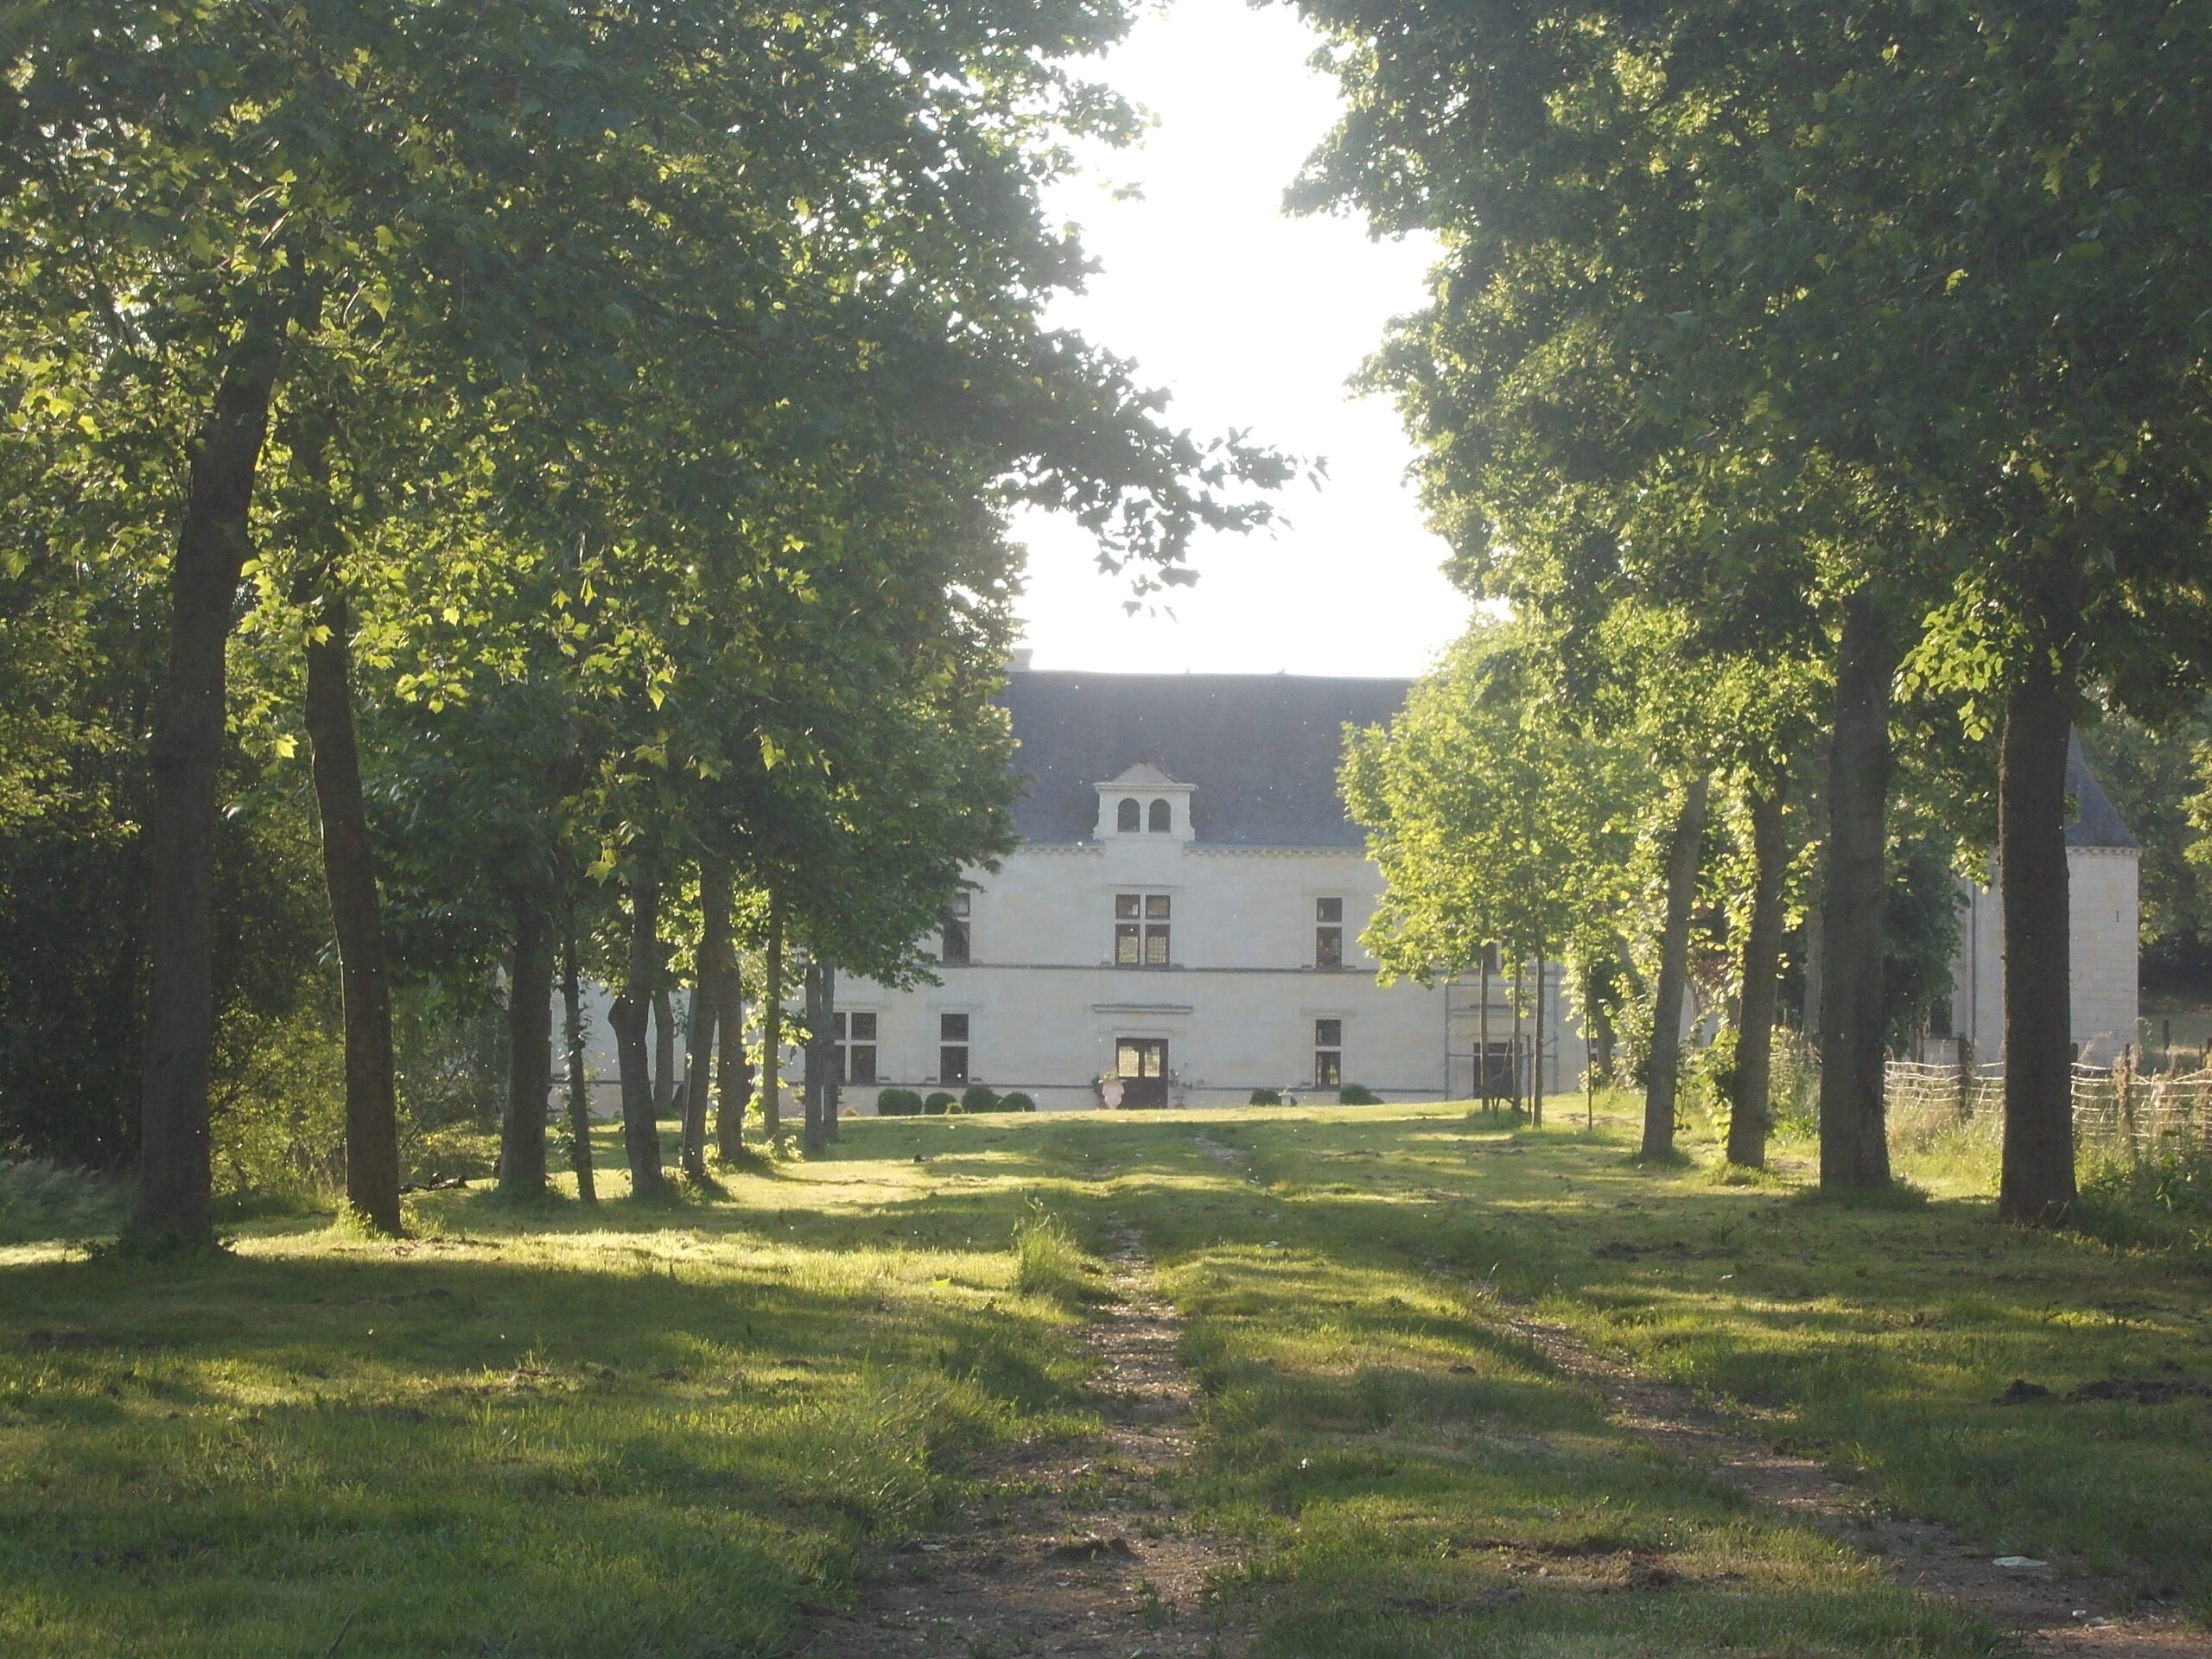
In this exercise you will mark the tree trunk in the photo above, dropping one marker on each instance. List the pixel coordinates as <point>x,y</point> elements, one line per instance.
<point>349,876</point>
<point>185,755</point>
<point>1482,1035</point>
<point>2035,1184</point>
<point>815,1085</point>
<point>772,1028</point>
<point>1536,1066</point>
<point>1519,1054</point>
<point>706,1004</point>
<point>733,1071</point>
<point>664,1036</point>
<point>1683,855</point>
<point>530,1046</point>
<point>1748,1118</point>
<point>579,1084</point>
<point>1817,954</point>
<point>1854,1142</point>
<point>833,1085</point>
<point>631,1013</point>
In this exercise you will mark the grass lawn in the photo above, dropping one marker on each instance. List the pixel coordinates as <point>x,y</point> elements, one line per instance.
<point>663,1430</point>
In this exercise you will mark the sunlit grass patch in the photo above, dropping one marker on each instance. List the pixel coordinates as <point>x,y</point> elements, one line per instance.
<point>1049,1262</point>
<point>663,1428</point>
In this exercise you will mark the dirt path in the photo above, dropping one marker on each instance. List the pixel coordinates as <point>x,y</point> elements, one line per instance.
<point>2054,1613</point>
<point>1074,1547</point>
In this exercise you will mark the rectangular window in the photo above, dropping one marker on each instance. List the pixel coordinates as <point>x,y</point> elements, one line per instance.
<point>1328,932</point>
<point>855,1034</point>
<point>1328,1054</point>
<point>1141,921</point>
<point>953,1048</point>
<point>954,951</point>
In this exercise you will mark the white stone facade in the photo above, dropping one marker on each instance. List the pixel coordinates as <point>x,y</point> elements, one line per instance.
<point>1188,895</point>
<point>2101,893</point>
<point>1240,1003</point>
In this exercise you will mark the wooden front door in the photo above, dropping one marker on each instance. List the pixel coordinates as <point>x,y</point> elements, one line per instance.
<point>1141,1064</point>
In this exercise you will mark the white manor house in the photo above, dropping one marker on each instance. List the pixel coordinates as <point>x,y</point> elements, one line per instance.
<point>1182,916</point>
<point>1180,921</point>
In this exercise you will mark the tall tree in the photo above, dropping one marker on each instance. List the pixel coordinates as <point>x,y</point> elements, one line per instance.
<point>1494,826</point>
<point>372,1110</point>
<point>630,1016</point>
<point>524,200</point>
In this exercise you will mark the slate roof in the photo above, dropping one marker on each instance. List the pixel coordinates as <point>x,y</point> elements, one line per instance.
<point>2097,823</point>
<point>1260,750</point>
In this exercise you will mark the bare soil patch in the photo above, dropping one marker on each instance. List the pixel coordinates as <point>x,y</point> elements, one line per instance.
<point>1072,1547</point>
<point>2052,1610</point>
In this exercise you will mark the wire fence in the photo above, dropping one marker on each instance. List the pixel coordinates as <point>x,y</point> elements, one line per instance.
<point>2119,1113</point>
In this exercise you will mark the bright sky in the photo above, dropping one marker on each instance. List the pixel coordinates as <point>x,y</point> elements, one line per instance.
<point>1251,319</point>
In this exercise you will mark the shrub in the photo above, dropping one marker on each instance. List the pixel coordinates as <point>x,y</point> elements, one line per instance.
<point>1016,1101</point>
<point>979,1098</point>
<point>1357,1094</point>
<point>40,1200</point>
<point>1265,1097</point>
<point>938,1103</point>
<point>897,1103</point>
<point>2163,1202</point>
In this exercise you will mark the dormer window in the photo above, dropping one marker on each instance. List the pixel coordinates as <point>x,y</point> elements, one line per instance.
<point>1144,801</point>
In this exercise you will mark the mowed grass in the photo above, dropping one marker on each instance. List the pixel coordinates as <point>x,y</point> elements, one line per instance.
<point>646,1430</point>
<point>666,1429</point>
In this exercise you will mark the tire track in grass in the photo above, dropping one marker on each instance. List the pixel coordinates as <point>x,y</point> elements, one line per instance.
<point>2050,1611</point>
<point>1069,1548</point>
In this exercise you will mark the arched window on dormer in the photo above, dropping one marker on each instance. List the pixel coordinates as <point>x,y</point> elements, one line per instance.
<point>1163,818</point>
<point>1125,815</point>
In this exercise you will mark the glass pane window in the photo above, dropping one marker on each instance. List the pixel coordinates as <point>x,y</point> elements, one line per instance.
<point>1328,1054</point>
<point>1125,815</point>
<point>954,949</point>
<point>1141,921</point>
<point>1328,932</point>
<point>1141,1056</point>
<point>855,1036</point>
<point>953,1048</point>
<point>1163,818</point>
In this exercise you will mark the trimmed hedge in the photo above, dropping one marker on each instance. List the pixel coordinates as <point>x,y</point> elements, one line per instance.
<point>897,1103</point>
<point>1357,1094</point>
<point>938,1104</point>
<point>1265,1097</point>
<point>980,1098</point>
